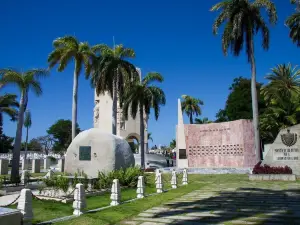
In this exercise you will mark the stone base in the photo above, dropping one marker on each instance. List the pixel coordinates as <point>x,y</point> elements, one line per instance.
<point>10,216</point>
<point>211,170</point>
<point>272,177</point>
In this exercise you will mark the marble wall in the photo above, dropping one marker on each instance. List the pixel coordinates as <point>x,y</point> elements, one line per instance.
<point>220,145</point>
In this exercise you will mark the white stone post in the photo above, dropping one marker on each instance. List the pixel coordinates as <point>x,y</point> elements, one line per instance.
<point>174,179</point>
<point>24,163</point>
<point>140,187</point>
<point>46,163</point>
<point>79,203</point>
<point>185,177</point>
<point>36,166</point>
<point>25,206</point>
<point>61,165</point>
<point>159,183</point>
<point>115,193</point>
<point>24,177</point>
<point>3,166</point>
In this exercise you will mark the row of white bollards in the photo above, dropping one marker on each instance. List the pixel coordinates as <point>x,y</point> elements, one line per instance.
<point>79,204</point>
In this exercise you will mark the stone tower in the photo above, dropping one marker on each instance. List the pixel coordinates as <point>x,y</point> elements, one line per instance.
<point>127,129</point>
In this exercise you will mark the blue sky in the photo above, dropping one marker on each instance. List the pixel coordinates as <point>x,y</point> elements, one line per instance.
<point>171,37</point>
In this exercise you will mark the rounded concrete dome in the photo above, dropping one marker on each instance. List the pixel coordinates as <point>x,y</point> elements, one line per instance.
<point>94,150</point>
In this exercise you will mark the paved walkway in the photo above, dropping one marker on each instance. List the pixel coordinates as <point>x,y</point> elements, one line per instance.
<point>220,204</point>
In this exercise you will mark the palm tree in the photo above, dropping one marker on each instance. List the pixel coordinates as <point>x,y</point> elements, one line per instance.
<point>142,96</point>
<point>111,71</point>
<point>191,106</point>
<point>65,50</point>
<point>8,105</point>
<point>27,124</point>
<point>150,136</point>
<point>173,144</point>
<point>284,81</point>
<point>243,19</point>
<point>25,81</point>
<point>293,23</point>
<point>205,120</point>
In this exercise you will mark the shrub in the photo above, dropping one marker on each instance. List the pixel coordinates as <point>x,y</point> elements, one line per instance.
<point>266,169</point>
<point>77,180</point>
<point>57,183</point>
<point>127,177</point>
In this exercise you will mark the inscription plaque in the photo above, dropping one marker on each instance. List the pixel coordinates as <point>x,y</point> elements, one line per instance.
<point>85,153</point>
<point>286,154</point>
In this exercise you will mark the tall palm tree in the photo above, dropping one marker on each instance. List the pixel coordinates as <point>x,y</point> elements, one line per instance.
<point>173,144</point>
<point>8,105</point>
<point>243,19</point>
<point>150,136</point>
<point>110,72</point>
<point>284,82</point>
<point>293,23</point>
<point>27,125</point>
<point>141,97</point>
<point>191,106</point>
<point>66,49</point>
<point>205,120</point>
<point>25,81</point>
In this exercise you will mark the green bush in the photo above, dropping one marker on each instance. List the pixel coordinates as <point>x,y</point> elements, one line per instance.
<point>57,183</point>
<point>83,180</point>
<point>127,177</point>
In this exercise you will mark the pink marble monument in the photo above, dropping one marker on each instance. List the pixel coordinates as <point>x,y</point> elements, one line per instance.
<point>215,145</point>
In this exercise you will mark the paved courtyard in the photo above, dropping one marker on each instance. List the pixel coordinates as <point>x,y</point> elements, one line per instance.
<point>228,204</point>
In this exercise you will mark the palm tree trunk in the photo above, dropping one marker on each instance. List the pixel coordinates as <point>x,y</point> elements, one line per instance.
<point>74,104</point>
<point>142,141</point>
<point>254,102</point>
<point>114,109</point>
<point>17,145</point>
<point>26,143</point>
<point>191,119</point>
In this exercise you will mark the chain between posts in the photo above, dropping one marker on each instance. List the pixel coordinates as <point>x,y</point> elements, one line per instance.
<point>13,202</point>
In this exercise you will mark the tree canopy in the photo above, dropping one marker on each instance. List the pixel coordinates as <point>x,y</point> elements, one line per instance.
<point>61,131</point>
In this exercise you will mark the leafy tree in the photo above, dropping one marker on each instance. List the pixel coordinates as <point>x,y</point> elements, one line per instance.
<point>27,125</point>
<point>293,23</point>
<point>282,95</point>
<point>191,106</point>
<point>6,143</point>
<point>25,81</point>
<point>221,116</point>
<point>65,49</point>
<point>141,97</point>
<point>111,72</point>
<point>46,142</point>
<point>205,120</point>
<point>61,131</point>
<point>243,20</point>
<point>33,145</point>
<point>8,105</point>
<point>173,144</point>
<point>239,101</point>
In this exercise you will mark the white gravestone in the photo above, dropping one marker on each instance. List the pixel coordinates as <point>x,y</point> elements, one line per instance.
<point>115,193</point>
<point>159,183</point>
<point>61,165</point>
<point>24,176</point>
<point>3,166</point>
<point>79,203</point>
<point>25,206</point>
<point>24,163</point>
<point>46,163</point>
<point>174,179</point>
<point>49,174</point>
<point>185,177</point>
<point>140,187</point>
<point>36,166</point>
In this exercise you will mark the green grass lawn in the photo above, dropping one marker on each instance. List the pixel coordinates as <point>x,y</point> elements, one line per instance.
<point>47,210</point>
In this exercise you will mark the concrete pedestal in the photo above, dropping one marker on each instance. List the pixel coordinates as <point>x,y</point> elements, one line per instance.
<point>10,216</point>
